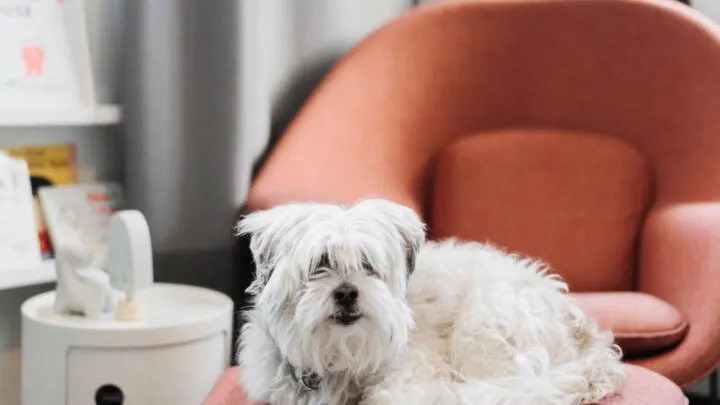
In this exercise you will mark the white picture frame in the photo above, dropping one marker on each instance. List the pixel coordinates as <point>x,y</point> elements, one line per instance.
<point>79,213</point>
<point>74,18</point>
<point>45,53</point>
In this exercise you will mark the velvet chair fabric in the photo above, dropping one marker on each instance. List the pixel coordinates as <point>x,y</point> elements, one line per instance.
<point>641,72</point>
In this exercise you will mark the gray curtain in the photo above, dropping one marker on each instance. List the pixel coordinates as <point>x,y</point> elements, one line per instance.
<point>206,85</point>
<point>710,7</point>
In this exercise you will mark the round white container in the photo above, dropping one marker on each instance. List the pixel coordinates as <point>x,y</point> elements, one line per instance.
<point>174,356</point>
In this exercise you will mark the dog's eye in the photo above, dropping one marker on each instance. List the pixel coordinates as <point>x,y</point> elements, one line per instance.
<point>369,270</point>
<point>322,267</point>
<point>319,273</point>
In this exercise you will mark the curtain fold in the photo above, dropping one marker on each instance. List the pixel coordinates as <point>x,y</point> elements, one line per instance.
<point>206,84</point>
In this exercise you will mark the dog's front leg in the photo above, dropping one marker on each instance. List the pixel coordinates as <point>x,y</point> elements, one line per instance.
<point>403,388</point>
<point>260,363</point>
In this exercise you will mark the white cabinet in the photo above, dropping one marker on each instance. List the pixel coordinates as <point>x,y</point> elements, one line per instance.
<point>179,374</point>
<point>173,356</point>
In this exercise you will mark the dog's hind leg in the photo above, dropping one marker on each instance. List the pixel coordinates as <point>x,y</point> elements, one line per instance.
<point>598,361</point>
<point>510,391</point>
<point>406,389</point>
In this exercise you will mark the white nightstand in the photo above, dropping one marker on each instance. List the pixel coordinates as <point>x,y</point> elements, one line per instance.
<point>173,357</point>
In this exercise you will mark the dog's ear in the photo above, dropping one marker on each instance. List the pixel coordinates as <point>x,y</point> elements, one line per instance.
<point>413,242</point>
<point>412,230</point>
<point>268,231</point>
<point>258,226</point>
<point>414,237</point>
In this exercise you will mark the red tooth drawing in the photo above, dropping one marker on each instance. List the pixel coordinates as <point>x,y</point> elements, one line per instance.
<point>34,57</point>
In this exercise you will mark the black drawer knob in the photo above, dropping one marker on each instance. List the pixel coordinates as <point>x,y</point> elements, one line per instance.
<point>109,394</point>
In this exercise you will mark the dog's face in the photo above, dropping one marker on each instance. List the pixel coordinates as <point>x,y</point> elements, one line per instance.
<point>331,281</point>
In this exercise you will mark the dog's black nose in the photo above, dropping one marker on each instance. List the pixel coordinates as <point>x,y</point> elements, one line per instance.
<point>345,294</point>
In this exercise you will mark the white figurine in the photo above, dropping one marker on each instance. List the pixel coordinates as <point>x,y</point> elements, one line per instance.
<point>82,286</point>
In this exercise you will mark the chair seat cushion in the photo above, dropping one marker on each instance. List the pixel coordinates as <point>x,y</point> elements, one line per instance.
<point>642,323</point>
<point>644,387</point>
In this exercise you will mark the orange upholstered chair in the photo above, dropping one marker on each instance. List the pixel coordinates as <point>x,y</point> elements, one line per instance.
<point>582,132</point>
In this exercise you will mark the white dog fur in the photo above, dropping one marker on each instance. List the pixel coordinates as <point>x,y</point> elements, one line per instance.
<point>473,325</point>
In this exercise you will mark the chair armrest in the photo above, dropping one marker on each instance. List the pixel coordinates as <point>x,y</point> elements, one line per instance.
<point>680,263</point>
<point>227,391</point>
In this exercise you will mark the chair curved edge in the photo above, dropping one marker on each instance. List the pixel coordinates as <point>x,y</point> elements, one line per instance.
<point>644,387</point>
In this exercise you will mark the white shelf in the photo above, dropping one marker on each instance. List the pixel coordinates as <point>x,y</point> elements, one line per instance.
<point>105,114</point>
<point>41,274</point>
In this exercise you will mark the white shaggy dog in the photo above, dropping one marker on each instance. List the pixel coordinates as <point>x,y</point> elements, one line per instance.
<point>335,320</point>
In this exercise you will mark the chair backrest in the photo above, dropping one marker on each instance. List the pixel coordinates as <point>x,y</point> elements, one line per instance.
<point>642,72</point>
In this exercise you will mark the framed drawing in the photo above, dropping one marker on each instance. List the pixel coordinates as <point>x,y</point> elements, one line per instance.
<point>45,54</point>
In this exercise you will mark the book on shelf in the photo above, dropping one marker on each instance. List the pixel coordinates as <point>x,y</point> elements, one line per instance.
<point>19,244</point>
<point>48,165</point>
<point>81,213</point>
